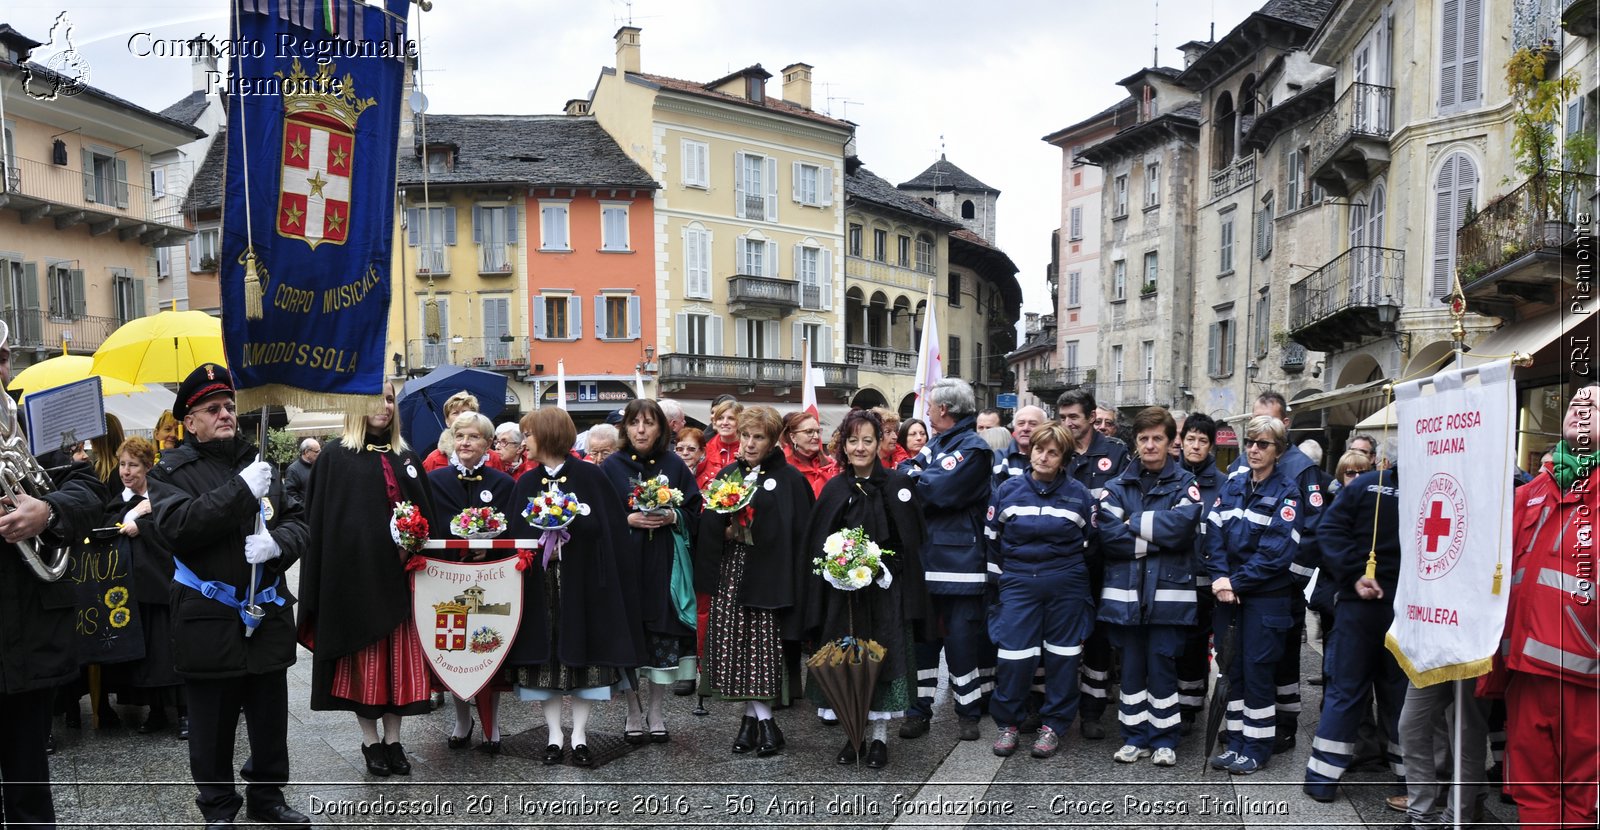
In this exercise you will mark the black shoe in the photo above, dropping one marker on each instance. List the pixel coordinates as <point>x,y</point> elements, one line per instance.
<point>219,824</point>
<point>552,755</point>
<point>377,759</point>
<point>746,739</point>
<point>683,688</point>
<point>847,755</point>
<point>1283,743</point>
<point>581,756</point>
<point>969,729</point>
<point>778,734</point>
<point>490,747</point>
<point>156,721</point>
<point>659,736</point>
<point>277,814</point>
<point>635,736</point>
<point>1321,792</point>
<point>914,727</point>
<point>183,727</point>
<point>877,755</point>
<point>769,739</point>
<point>1091,729</point>
<point>397,759</point>
<point>462,742</point>
<point>1186,723</point>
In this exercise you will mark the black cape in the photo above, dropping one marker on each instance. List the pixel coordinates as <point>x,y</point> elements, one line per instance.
<point>778,565</point>
<point>594,625</point>
<point>354,590</point>
<point>150,562</point>
<point>889,518</point>
<point>452,494</point>
<point>651,559</point>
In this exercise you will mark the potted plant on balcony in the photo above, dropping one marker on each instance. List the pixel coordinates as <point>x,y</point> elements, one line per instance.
<point>1537,101</point>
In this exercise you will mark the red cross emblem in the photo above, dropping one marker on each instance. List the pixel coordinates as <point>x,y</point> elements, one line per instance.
<point>1441,528</point>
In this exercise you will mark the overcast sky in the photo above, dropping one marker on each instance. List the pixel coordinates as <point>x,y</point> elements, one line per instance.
<point>984,81</point>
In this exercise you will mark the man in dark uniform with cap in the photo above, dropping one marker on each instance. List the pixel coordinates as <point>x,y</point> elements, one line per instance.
<point>36,626</point>
<point>232,660</point>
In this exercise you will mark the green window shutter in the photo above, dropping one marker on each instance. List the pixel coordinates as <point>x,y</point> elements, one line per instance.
<point>78,298</point>
<point>88,175</point>
<point>122,183</point>
<point>138,298</point>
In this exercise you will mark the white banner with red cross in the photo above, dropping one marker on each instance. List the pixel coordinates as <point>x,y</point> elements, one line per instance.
<point>1456,430</point>
<point>466,613</point>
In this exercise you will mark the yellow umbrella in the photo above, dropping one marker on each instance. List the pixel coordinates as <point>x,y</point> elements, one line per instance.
<point>60,371</point>
<point>161,348</point>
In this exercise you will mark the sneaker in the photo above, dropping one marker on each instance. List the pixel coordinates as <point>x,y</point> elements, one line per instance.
<point>1224,760</point>
<point>1006,742</point>
<point>914,727</point>
<point>1092,730</point>
<point>1244,765</point>
<point>969,729</point>
<point>1130,753</point>
<point>1047,743</point>
<point>1398,803</point>
<point>1165,757</point>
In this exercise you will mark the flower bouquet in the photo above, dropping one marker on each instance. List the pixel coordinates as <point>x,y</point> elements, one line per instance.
<point>551,512</point>
<point>478,523</point>
<point>654,496</point>
<point>852,561</point>
<point>732,494</point>
<point>407,527</point>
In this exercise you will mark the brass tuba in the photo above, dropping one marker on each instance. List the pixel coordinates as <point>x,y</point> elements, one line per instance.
<point>20,472</point>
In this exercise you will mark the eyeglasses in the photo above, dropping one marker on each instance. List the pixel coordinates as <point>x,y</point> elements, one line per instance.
<point>1262,445</point>
<point>1353,473</point>
<point>683,448</point>
<point>807,432</point>
<point>506,443</point>
<point>216,409</point>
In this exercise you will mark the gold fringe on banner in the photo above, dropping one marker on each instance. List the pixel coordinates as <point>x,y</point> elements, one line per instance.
<point>1442,674</point>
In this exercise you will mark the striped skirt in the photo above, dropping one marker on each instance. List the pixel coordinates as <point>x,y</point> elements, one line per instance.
<point>744,654</point>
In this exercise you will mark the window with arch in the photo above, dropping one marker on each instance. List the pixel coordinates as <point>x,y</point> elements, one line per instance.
<point>969,210</point>
<point>1455,189</point>
<point>1222,132</point>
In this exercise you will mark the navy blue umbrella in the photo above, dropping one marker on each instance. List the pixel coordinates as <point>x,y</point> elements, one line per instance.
<point>422,400</point>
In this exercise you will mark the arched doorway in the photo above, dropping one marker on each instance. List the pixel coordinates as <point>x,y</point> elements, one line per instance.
<point>907,404</point>
<point>866,398</point>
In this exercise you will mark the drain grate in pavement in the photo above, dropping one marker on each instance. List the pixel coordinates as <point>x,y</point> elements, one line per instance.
<point>605,746</point>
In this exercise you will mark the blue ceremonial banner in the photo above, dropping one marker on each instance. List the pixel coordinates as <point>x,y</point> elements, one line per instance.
<point>313,98</point>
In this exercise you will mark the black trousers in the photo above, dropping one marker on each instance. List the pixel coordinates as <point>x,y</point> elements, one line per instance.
<point>214,708</point>
<point>24,767</point>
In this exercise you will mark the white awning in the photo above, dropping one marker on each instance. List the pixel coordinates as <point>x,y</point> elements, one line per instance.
<point>1529,336</point>
<point>315,423</point>
<point>1344,394</point>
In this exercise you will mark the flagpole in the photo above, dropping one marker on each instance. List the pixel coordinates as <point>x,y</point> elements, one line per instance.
<point>919,407</point>
<point>561,384</point>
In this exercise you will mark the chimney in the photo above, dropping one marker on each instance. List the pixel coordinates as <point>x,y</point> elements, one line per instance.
<point>797,84</point>
<point>578,106</point>
<point>1031,324</point>
<point>627,39</point>
<point>202,64</point>
<point>1193,50</point>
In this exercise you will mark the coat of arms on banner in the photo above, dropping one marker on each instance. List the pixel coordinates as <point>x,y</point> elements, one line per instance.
<point>465,614</point>
<point>318,151</point>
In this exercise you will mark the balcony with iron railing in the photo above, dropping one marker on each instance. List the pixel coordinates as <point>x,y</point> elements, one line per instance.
<point>433,259</point>
<point>1136,393</point>
<point>748,373</point>
<point>1355,297</point>
<point>496,258</point>
<point>1511,255</point>
<point>755,207</point>
<point>1241,173</point>
<point>506,353</point>
<point>100,200</point>
<point>762,298</point>
<point>1350,143</point>
<point>1046,384</point>
<point>876,359</point>
<point>40,330</point>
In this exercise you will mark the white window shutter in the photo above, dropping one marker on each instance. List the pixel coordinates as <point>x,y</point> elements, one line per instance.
<point>770,261</point>
<point>1230,334</point>
<point>738,185</point>
<point>772,189</point>
<point>449,226</point>
<point>1212,364</point>
<point>1449,52</point>
<point>574,317</point>
<point>741,338</point>
<point>740,247</point>
<point>88,174</point>
<point>633,318</point>
<point>600,316</point>
<point>799,332</point>
<point>1471,54</point>
<point>538,318</point>
<point>825,349</point>
<point>825,185</point>
<point>794,182</point>
<point>122,182</point>
<point>770,334</point>
<point>825,277</point>
<point>680,342</point>
<point>714,334</point>
<point>686,159</point>
<point>477,224</point>
<point>799,273</point>
<point>511,224</point>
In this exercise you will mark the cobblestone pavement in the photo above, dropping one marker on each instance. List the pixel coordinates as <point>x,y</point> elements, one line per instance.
<point>118,778</point>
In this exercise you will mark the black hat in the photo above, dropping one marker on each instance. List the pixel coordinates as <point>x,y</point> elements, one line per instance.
<point>615,418</point>
<point>206,380</point>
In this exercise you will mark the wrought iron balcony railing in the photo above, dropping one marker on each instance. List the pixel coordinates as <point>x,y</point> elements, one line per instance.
<point>497,353</point>
<point>1363,111</point>
<point>1537,215</point>
<point>1357,295</point>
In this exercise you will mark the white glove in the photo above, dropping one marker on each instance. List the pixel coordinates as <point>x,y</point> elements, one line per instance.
<point>258,477</point>
<point>259,548</point>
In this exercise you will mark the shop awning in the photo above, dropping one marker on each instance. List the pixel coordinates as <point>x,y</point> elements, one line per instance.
<point>302,422</point>
<point>1342,395</point>
<point>1529,336</point>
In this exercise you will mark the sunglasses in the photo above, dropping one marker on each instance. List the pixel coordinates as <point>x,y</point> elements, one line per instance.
<point>1262,445</point>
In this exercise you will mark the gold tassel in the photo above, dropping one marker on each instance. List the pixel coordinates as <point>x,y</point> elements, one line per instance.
<point>1372,563</point>
<point>430,316</point>
<point>1499,569</point>
<point>252,287</point>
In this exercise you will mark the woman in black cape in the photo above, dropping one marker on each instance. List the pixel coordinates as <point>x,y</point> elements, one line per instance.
<point>469,480</point>
<point>577,632</point>
<point>129,508</point>
<point>879,501</point>
<point>755,573</point>
<point>648,553</point>
<point>355,597</point>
